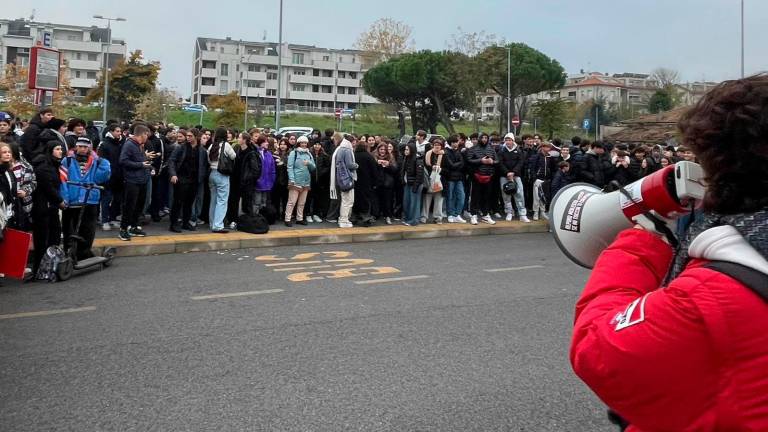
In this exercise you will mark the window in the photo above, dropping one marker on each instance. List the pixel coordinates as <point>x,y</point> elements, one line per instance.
<point>254,68</point>
<point>224,69</point>
<point>351,90</point>
<point>342,74</point>
<point>327,89</point>
<point>271,67</point>
<point>340,90</point>
<point>256,51</point>
<point>223,86</point>
<point>73,38</point>
<point>237,84</point>
<point>489,99</point>
<point>298,87</point>
<point>299,71</point>
<point>79,56</point>
<point>271,92</point>
<point>209,64</point>
<point>315,89</point>
<point>209,81</point>
<point>271,76</point>
<point>341,59</point>
<point>254,84</point>
<point>353,75</point>
<point>93,57</point>
<point>221,50</point>
<point>315,72</point>
<point>298,58</point>
<point>326,58</point>
<point>489,109</point>
<point>90,75</point>
<point>77,74</point>
<point>237,50</point>
<point>327,73</point>
<point>237,68</point>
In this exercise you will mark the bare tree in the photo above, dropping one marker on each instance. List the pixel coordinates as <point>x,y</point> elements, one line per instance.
<point>665,78</point>
<point>385,38</point>
<point>473,43</point>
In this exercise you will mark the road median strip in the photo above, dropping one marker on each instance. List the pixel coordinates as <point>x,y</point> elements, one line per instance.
<point>184,243</point>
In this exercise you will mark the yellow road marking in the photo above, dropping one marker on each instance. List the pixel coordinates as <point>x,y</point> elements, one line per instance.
<point>302,268</point>
<point>46,313</point>
<point>237,294</point>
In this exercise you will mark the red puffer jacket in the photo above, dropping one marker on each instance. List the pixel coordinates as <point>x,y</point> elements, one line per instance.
<point>692,356</point>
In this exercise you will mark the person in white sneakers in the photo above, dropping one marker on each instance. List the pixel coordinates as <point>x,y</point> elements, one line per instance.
<point>454,176</point>
<point>483,159</point>
<point>511,162</point>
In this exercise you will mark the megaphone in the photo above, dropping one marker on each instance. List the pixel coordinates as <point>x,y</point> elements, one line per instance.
<point>584,220</point>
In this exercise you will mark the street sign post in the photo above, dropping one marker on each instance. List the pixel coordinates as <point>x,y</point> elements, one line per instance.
<point>44,66</point>
<point>515,121</point>
<point>585,125</point>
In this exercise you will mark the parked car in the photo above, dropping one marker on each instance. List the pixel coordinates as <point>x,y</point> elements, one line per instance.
<point>295,130</point>
<point>195,108</point>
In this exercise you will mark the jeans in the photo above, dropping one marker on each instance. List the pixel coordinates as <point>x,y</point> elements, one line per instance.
<point>197,207</point>
<point>539,206</point>
<point>133,203</point>
<point>519,196</point>
<point>219,184</point>
<point>147,197</point>
<point>106,201</point>
<point>455,198</point>
<point>260,200</point>
<point>411,205</point>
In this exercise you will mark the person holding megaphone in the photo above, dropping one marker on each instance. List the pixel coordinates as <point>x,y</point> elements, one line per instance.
<point>672,333</point>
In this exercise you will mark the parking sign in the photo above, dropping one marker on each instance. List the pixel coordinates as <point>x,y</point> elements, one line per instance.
<point>585,124</point>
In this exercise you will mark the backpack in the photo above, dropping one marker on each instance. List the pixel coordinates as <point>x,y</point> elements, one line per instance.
<point>253,224</point>
<point>54,256</point>
<point>269,213</point>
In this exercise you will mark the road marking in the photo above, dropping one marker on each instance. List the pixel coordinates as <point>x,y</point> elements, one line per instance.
<point>303,268</point>
<point>513,268</point>
<point>394,279</point>
<point>46,313</point>
<point>237,294</point>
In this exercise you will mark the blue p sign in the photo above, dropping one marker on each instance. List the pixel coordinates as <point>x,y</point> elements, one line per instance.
<point>585,124</point>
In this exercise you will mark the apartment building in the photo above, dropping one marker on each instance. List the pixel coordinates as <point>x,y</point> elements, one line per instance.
<point>83,49</point>
<point>313,79</point>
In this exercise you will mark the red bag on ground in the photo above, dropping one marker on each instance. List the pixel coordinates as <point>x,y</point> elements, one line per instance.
<point>14,253</point>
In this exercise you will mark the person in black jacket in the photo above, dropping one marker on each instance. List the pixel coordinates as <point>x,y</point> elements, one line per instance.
<point>317,203</point>
<point>454,176</point>
<point>136,170</point>
<point>594,165</point>
<point>511,164</point>
<point>543,165</point>
<point>112,195</point>
<point>188,168</point>
<point>32,147</point>
<point>412,173</point>
<point>246,174</point>
<point>483,159</point>
<point>562,177</point>
<point>75,130</point>
<point>47,201</point>
<point>367,178</point>
<point>387,175</point>
<point>6,129</point>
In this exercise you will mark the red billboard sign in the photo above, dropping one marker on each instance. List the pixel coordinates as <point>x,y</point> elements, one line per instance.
<point>44,66</point>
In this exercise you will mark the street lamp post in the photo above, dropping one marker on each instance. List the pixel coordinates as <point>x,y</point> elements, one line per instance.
<point>106,64</point>
<point>742,38</point>
<point>279,68</point>
<point>509,86</point>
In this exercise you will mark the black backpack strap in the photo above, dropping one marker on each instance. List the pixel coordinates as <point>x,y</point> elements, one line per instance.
<point>749,277</point>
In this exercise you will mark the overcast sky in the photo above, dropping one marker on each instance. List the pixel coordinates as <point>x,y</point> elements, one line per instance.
<point>698,38</point>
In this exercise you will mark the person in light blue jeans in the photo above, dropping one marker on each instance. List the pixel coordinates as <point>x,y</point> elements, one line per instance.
<point>219,182</point>
<point>412,173</point>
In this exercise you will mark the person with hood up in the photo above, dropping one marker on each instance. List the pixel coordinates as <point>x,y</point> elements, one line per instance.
<point>54,132</point>
<point>266,180</point>
<point>247,173</point>
<point>112,195</point>
<point>47,201</point>
<point>33,149</point>
<point>82,165</point>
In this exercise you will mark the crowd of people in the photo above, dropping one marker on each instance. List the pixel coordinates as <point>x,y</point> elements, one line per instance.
<point>194,176</point>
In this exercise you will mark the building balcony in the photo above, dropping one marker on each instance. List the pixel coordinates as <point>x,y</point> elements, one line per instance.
<point>348,82</point>
<point>85,46</point>
<point>210,55</point>
<point>305,95</point>
<point>82,83</point>
<point>352,67</point>
<point>253,92</point>
<point>255,76</point>
<point>84,65</point>
<point>263,59</point>
<point>209,90</point>
<point>324,64</point>
<point>209,73</point>
<point>348,98</point>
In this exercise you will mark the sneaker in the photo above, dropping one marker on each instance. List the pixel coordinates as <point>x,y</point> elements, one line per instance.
<point>317,219</point>
<point>388,220</point>
<point>406,223</point>
<point>497,215</point>
<point>451,219</point>
<point>466,215</point>
<point>221,231</point>
<point>137,232</point>
<point>331,220</point>
<point>439,221</point>
<point>345,225</point>
<point>106,226</point>
<point>189,227</point>
<point>233,226</point>
<point>525,219</point>
<point>115,224</point>
<point>288,224</point>
<point>175,228</point>
<point>473,220</point>
<point>459,219</point>
<point>423,220</point>
<point>509,217</point>
<point>536,216</point>
<point>546,216</point>
<point>301,222</point>
<point>124,236</point>
<point>488,219</point>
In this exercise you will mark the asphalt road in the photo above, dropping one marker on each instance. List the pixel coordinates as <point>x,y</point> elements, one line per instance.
<point>433,342</point>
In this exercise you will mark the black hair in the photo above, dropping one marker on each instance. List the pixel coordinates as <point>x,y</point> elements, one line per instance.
<point>576,140</point>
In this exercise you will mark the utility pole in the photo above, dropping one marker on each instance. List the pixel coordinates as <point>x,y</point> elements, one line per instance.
<point>509,86</point>
<point>106,65</point>
<point>742,38</point>
<point>279,69</point>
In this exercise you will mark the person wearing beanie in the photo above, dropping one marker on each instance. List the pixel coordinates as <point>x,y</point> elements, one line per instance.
<point>6,129</point>
<point>75,130</point>
<point>82,166</point>
<point>511,163</point>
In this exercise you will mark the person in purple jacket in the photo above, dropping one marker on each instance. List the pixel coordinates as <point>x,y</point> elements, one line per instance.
<point>268,174</point>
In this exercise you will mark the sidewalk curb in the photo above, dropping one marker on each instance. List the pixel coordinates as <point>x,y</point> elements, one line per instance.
<point>169,244</point>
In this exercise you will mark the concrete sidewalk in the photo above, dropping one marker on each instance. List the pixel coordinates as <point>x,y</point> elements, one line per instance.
<point>161,241</point>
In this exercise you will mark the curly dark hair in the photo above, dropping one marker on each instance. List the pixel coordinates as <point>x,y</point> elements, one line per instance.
<point>728,132</point>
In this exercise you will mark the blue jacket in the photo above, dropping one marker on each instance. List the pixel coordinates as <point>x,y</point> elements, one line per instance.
<point>132,159</point>
<point>298,174</point>
<point>97,171</point>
